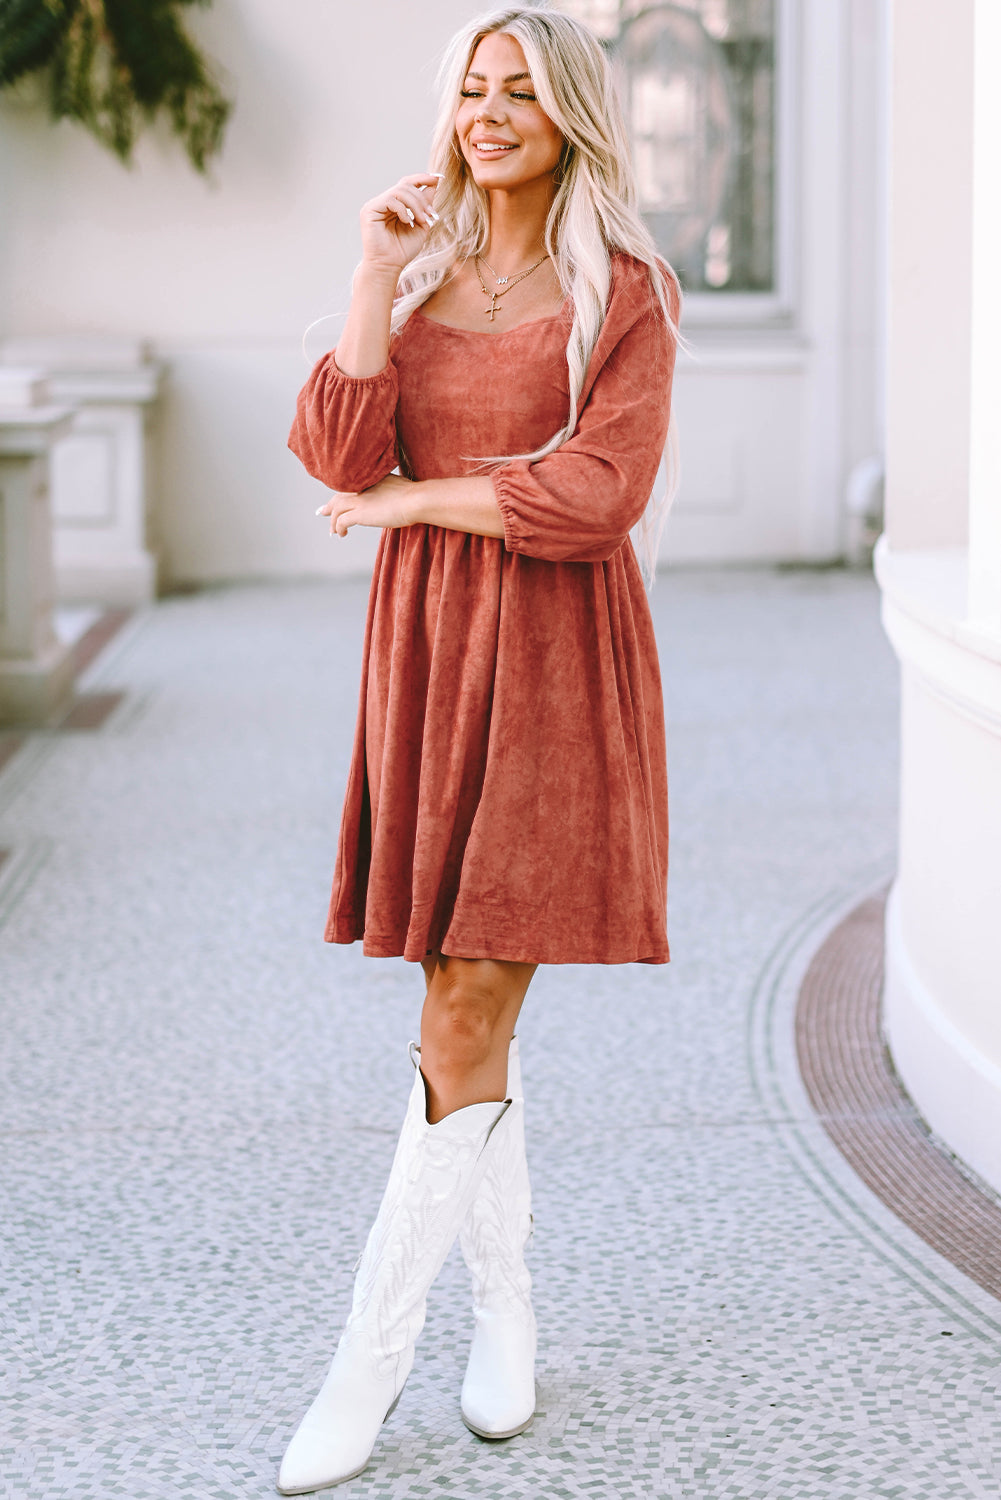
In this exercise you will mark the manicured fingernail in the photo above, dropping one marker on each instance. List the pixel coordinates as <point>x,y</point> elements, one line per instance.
<point>432,215</point>
<point>319,510</point>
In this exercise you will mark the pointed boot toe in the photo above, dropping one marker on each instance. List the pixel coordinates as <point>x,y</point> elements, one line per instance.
<point>335,1438</point>
<point>312,1462</point>
<point>498,1392</point>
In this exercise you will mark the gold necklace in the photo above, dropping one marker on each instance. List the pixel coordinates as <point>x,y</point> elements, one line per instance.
<point>503,280</point>
<point>507,282</point>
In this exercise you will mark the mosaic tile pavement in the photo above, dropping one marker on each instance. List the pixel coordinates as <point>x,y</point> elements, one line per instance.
<point>199,1099</point>
<point>861,1102</point>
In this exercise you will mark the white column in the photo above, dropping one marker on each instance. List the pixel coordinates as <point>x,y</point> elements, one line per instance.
<point>939,567</point>
<point>985,364</point>
<point>36,679</point>
<point>929,233</point>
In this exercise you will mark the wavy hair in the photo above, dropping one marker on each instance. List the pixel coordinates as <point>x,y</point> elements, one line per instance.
<point>593,213</point>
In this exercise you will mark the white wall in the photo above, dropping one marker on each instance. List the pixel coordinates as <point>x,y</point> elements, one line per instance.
<point>334,100</point>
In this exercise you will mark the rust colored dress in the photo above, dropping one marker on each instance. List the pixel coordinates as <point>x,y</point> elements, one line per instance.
<point>507,796</point>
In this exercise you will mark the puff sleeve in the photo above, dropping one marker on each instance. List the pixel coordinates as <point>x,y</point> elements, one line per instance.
<point>344,431</point>
<point>579,503</point>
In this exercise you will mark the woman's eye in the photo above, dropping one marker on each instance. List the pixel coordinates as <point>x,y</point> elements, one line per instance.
<point>478,94</point>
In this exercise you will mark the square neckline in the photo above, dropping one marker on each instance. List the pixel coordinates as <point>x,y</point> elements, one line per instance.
<point>484,333</point>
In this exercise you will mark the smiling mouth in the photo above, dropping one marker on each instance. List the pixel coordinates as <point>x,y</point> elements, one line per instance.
<point>487,148</point>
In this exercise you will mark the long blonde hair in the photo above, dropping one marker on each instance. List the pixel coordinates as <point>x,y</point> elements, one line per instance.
<point>593,213</point>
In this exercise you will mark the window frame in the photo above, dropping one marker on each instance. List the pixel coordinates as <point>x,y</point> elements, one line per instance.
<point>778,308</point>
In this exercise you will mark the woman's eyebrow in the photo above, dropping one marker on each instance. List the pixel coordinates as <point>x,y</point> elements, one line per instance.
<point>511,77</point>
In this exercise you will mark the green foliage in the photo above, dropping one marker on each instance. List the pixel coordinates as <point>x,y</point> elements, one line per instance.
<point>29,35</point>
<point>114,64</point>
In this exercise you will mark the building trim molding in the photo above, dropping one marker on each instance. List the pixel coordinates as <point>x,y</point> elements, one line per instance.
<point>925,617</point>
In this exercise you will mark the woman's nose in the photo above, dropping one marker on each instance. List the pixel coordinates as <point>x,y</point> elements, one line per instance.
<point>490,109</point>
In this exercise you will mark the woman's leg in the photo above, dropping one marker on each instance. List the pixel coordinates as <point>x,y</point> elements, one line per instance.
<point>469,1018</point>
<point>469,1055</point>
<point>442,1154</point>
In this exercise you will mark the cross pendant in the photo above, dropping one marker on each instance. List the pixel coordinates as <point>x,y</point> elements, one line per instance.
<point>489,311</point>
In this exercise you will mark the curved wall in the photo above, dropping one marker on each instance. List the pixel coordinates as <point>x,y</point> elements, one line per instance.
<point>942,1000</point>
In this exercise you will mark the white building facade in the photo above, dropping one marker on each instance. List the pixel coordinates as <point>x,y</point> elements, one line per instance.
<point>777,402</point>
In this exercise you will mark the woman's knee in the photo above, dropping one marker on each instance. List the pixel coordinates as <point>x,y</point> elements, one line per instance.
<point>464,1012</point>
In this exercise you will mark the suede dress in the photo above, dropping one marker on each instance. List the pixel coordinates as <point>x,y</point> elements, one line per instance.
<point>507,794</point>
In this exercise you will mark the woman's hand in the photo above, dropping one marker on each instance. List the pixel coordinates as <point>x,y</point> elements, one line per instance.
<point>394,227</point>
<point>395,224</point>
<point>388,504</point>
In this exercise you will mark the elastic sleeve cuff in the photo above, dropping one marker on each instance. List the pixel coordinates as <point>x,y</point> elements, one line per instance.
<point>516,539</point>
<point>386,374</point>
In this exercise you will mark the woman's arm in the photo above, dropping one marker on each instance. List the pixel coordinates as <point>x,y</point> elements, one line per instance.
<point>579,503</point>
<point>363,347</point>
<point>344,431</point>
<point>457,504</point>
<point>394,227</point>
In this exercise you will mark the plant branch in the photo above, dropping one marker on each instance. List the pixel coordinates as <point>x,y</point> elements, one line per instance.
<point>113,66</point>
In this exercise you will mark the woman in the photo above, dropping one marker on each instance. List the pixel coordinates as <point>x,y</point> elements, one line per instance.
<point>509,347</point>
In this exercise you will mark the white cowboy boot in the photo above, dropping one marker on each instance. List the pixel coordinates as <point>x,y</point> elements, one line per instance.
<point>435,1171</point>
<point>498,1392</point>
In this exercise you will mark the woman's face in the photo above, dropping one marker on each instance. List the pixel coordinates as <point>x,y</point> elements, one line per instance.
<point>505,136</point>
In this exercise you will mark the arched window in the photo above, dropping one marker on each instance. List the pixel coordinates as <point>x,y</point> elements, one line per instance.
<point>697,79</point>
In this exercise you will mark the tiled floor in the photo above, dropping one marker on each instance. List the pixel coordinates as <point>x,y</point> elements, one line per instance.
<point>198,1099</point>
<point>862,1104</point>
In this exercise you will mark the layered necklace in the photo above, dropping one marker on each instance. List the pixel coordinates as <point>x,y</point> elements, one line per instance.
<point>507,282</point>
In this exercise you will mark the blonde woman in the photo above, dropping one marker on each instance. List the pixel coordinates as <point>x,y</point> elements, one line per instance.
<point>509,349</point>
